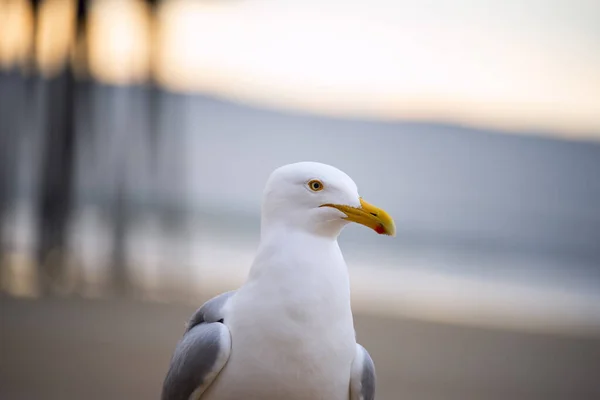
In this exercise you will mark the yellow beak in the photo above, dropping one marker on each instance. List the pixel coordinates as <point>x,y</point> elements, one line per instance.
<point>368,215</point>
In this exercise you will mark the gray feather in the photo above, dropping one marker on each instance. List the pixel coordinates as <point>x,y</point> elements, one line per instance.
<point>362,380</point>
<point>200,354</point>
<point>368,377</point>
<point>211,311</point>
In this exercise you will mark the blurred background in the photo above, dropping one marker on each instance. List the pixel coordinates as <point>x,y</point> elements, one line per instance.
<point>136,138</point>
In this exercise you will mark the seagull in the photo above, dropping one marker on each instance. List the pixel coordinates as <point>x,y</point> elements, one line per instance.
<point>288,332</point>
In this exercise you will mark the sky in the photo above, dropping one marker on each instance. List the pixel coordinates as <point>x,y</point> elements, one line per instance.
<point>526,65</point>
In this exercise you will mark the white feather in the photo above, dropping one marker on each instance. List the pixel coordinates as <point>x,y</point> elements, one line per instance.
<point>291,323</point>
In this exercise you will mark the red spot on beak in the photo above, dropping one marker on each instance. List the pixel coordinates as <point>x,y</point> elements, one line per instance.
<point>380,229</point>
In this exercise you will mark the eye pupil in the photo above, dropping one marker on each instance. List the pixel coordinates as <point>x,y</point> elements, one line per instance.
<point>315,185</point>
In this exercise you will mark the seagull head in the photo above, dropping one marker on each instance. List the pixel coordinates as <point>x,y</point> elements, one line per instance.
<point>320,199</point>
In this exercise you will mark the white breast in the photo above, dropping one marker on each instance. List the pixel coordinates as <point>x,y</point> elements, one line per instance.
<point>292,329</point>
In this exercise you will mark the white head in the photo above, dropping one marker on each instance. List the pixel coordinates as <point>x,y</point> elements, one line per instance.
<point>319,199</point>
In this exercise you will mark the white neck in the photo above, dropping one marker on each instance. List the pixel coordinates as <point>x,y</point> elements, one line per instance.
<point>301,267</point>
<point>295,248</point>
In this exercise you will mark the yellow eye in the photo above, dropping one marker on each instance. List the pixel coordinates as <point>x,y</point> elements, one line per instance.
<point>315,185</point>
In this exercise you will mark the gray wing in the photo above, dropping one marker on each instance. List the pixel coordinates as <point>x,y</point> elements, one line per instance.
<point>201,354</point>
<point>362,379</point>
